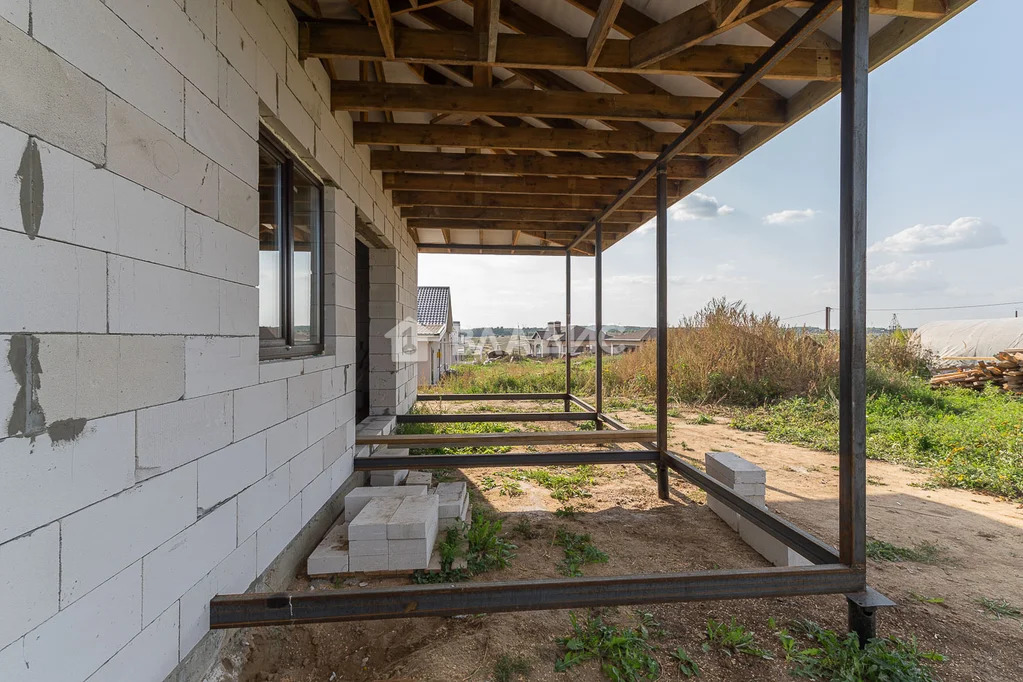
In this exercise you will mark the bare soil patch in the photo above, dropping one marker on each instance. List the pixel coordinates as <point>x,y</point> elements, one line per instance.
<point>980,540</point>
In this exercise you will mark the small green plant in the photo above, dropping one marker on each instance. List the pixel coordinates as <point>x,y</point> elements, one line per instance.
<point>587,426</point>
<point>686,665</point>
<point>483,549</point>
<point>839,657</point>
<point>567,511</point>
<point>487,483</point>
<point>1000,608</point>
<point>508,668</point>
<point>563,483</point>
<point>524,529</point>
<point>625,654</point>
<point>511,488</point>
<point>578,551</point>
<point>928,600</point>
<point>449,549</point>
<point>922,553</point>
<point>733,638</point>
<point>703,419</point>
<point>649,623</point>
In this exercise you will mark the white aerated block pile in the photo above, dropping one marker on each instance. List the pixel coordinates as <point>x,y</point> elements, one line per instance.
<point>748,481</point>
<point>330,556</point>
<point>454,504</point>
<point>358,498</point>
<point>419,478</point>
<point>388,477</point>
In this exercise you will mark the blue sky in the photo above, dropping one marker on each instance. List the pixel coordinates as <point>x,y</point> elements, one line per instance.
<point>945,150</point>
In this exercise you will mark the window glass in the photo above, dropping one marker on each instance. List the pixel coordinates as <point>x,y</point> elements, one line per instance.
<point>271,248</point>
<point>306,259</point>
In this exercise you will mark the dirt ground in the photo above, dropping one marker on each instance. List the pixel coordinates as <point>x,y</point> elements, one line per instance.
<point>980,540</point>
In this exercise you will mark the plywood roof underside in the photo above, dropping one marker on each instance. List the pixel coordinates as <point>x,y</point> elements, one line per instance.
<point>512,123</point>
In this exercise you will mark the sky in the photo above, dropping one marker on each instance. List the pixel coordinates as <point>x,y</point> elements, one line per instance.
<point>945,168</point>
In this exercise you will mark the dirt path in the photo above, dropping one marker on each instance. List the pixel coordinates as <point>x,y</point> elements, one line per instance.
<point>980,541</point>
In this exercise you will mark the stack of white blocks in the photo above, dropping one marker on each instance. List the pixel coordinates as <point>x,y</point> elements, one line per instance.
<point>748,481</point>
<point>393,533</point>
<point>454,504</point>
<point>388,477</point>
<point>419,478</point>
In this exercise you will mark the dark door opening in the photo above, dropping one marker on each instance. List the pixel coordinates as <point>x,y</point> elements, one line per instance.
<point>361,331</point>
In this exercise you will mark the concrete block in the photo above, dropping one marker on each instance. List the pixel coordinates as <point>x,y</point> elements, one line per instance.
<point>306,466</point>
<point>452,497</point>
<point>218,363</point>
<point>29,581</point>
<point>358,498</point>
<point>228,471</point>
<point>419,478</point>
<point>727,514</point>
<point>260,501</point>
<point>48,477</point>
<point>768,546</point>
<point>259,407</point>
<point>367,563</point>
<point>78,640</point>
<point>272,370</point>
<point>315,495</point>
<point>16,12</point>
<point>415,517</point>
<point>148,656</point>
<point>330,555</point>
<point>254,19</point>
<point>182,561</point>
<point>388,477</point>
<point>179,432</point>
<point>142,150</point>
<point>333,446</point>
<point>407,562</point>
<point>233,575</point>
<point>72,277</point>
<point>286,440</point>
<point>367,547</point>
<point>153,299</point>
<point>169,30</point>
<point>304,393</point>
<point>71,30</point>
<point>101,540</point>
<point>215,134</point>
<point>414,546</point>
<point>235,43</point>
<point>730,469</point>
<point>463,518</point>
<point>239,207</point>
<point>239,309</point>
<point>297,123</point>
<point>203,14</point>
<point>322,421</point>
<point>39,89</point>
<point>372,522</point>
<point>266,84</point>
<point>214,249</point>
<point>275,535</point>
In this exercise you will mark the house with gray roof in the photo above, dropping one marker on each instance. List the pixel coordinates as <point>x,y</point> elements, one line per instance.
<point>436,338</point>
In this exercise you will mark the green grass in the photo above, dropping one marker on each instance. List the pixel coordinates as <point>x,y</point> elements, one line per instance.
<point>457,427</point>
<point>732,638</point>
<point>579,550</point>
<point>624,654</point>
<point>922,553</point>
<point>480,544</point>
<point>523,376</point>
<point>968,439</point>
<point>509,668</point>
<point>563,483</point>
<point>1000,608</point>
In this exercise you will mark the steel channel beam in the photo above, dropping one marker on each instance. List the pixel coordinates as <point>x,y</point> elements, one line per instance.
<point>852,391</point>
<point>582,403</point>
<point>510,459</point>
<point>568,329</point>
<point>430,397</point>
<point>809,22</point>
<point>323,606</point>
<point>495,417</point>
<point>487,440</point>
<point>662,331</point>
<point>598,307</point>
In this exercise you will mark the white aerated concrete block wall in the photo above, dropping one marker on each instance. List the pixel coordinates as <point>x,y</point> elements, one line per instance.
<point>749,481</point>
<point>148,459</point>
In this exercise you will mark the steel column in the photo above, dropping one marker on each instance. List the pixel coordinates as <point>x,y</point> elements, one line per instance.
<point>662,331</point>
<point>568,329</point>
<point>852,416</point>
<point>598,280</point>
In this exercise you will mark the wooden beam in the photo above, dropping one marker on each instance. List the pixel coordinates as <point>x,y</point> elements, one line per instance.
<point>567,202</point>
<point>432,440</point>
<point>688,29</point>
<point>505,185</point>
<point>915,9</point>
<point>680,168</point>
<point>509,225</point>
<point>356,96</point>
<point>384,25</point>
<point>600,28</point>
<point>717,141</point>
<point>486,22</point>
<point>529,52</point>
<point>532,216</point>
<point>774,24</point>
<point>726,11</point>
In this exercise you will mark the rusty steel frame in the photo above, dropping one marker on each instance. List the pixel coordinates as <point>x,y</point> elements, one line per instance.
<point>833,572</point>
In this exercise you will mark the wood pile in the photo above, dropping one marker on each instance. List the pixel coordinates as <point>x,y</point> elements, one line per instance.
<point>1005,370</point>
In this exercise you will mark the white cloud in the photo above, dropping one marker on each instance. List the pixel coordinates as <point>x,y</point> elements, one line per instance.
<point>699,206</point>
<point>789,216</point>
<point>962,233</point>
<point>899,278</point>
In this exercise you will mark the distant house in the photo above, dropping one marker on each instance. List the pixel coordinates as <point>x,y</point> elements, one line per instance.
<point>436,337</point>
<point>627,341</point>
<point>550,342</point>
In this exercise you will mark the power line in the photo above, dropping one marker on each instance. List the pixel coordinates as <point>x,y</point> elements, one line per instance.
<point>939,307</point>
<point>792,317</point>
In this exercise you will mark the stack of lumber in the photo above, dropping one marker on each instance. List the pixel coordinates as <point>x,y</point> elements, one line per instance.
<point>1005,370</point>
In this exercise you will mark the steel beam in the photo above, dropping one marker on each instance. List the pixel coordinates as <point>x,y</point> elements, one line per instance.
<point>662,331</point>
<point>455,397</point>
<point>598,285</point>
<point>481,440</point>
<point>324,606</point>
<point>495,417</point>
<point>510,459</point>
<point>568,329</point>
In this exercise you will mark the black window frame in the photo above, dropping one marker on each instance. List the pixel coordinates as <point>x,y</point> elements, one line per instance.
<point>286,347</point>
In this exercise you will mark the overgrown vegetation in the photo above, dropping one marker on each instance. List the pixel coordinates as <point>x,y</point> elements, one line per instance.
<point>579,550</point>
<point>624,654</point>
<point>564,483</point>
<point>456,427</point>
<point>733,638</point>
<point>839,657</point>
<point>509,668</point>
<point>481,546</point>
<point>922,553</point>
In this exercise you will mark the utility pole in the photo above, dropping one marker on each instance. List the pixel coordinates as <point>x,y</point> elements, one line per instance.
<point>827,319</point>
